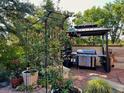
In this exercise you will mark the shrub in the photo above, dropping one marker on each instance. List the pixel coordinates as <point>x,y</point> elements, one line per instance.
<point>98,86</point>
<point>25,88</point>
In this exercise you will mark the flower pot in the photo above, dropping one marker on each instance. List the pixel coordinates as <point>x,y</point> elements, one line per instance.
<point>66,72</point>
<point>77,88</point>
<point>16,81</point>
<point>73,90</point>
<point>4,82</point>
<point>30,77</point>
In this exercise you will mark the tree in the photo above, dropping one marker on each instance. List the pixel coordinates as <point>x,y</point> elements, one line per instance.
<point>13,15</point>
<point>13,21</point>
<point>55,25</point>
<point>78,20</point>
<point>115,19</point>
<point>95,15</point>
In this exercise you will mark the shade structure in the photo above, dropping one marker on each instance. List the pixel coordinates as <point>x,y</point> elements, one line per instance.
<point>87,30</point>
<point>93,30</point>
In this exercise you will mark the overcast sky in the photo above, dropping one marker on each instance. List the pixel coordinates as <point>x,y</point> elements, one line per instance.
<point>76,5</point>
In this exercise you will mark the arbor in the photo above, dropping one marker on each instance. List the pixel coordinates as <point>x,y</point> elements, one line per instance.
<point>95,15</point>
<point>111,15</point>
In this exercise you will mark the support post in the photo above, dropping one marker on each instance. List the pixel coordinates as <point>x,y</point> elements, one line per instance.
<point>103,52</point>
<point>46,52</point>
<point>46,49</point>
<point>108,64</point>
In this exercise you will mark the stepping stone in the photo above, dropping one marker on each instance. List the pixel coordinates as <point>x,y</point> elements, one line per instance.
<point>121,77</point>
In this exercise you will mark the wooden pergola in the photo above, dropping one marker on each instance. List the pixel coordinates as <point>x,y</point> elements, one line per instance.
<point>94,30</point>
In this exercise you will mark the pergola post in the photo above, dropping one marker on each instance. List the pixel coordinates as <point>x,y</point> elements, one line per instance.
<point>108,64</point>
<point>103,52</point>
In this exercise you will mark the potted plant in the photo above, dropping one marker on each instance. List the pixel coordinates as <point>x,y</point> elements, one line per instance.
<point>10,58</point>
<point>16,78</point>
<point>30,77</point>
<point>4,79</point>
<point>16,81</point>
<point>98,86</point>
<point>4,76</point>
<point>22,88</point>
<point>64,86</point>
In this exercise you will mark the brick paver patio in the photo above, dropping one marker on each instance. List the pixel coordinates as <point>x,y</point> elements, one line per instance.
<point>81,76</point>
<point>10,90</point>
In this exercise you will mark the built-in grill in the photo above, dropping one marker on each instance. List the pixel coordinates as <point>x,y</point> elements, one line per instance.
<point>86,57</point>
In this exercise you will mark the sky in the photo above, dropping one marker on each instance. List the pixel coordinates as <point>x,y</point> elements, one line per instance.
<point>76,5</point>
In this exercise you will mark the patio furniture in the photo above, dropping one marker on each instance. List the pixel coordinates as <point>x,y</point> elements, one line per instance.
<point>94,30</point>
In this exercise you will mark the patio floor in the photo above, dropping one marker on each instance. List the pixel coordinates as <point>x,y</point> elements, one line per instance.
<point>10,90</point>
<point>81,76</point>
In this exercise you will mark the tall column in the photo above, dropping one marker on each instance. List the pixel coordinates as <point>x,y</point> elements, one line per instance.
<point>108,64</point>
<point>103,52</point>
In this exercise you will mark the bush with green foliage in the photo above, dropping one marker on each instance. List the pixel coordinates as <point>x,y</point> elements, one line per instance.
<point>22,87</point>
<point>98,86</point>
<point>53,74</point>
